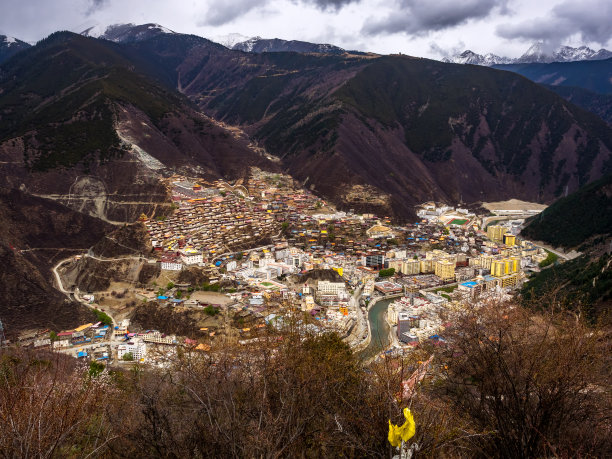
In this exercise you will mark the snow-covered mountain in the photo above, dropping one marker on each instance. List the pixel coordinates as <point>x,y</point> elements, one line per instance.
<point>274,45</point>
<point>470,57</point>
<point>125,33</point>
<point>230,39</point>
<point>10,46</point>
<point>535,53</point>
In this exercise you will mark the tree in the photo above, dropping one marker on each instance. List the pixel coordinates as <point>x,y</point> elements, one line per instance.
<point>170,285</point>
<point>128,357</point>
<point>533,381</point>
<point>53,336</point>
<point>386,272</point>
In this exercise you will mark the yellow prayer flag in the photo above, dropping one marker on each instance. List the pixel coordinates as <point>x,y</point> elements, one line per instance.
<point>404,432</point>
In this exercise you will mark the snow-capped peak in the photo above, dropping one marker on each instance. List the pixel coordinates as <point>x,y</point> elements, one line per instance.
<point>9,40</point>
<point>470,57</point>
<point>94,31</point>
<point>230,39</point>
<point>247,45</point>
<point>122,33</point>
<point>536,53</point>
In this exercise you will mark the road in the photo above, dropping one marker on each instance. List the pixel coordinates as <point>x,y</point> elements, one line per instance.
<point>74,295</point>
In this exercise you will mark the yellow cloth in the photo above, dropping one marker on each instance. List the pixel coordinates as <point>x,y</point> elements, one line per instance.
<point>404,432</point>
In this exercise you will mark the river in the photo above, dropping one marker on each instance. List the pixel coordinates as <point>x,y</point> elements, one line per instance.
<point>379,329</point>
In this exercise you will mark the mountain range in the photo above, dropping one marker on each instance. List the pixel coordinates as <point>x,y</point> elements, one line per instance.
<point>93,125</point>
<point>535,54</point>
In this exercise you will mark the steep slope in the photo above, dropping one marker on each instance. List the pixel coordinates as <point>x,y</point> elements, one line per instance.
<point>385,133</point>
<point>89,139</point>
<point>10,46</point>
<point>36,234</point>
<point>595,76</point>
<point>581,220</point>
<point>406,130</point>
<point>600,104</point>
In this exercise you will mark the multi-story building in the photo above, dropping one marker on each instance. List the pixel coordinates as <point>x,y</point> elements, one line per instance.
<point>374,261</point>
<point>411,267</point>
<point>171,263</point>
<point>190,256</point>
<point>136,347</point>
<point>509,239</point>
<point>330,288</point>
<point>445,269</point>
<point>496,233</point>
<point>427,266</point>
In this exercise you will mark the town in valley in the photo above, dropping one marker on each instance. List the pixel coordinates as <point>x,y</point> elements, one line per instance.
<point>237,261</point>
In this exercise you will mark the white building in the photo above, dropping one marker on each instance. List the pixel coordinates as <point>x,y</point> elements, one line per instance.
<point>330,288</point>
<point>171,264</point>
<point>191,256</point>
<point>136,347</point>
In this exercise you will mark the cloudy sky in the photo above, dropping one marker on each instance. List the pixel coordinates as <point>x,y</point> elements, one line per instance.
<point>427,28</point>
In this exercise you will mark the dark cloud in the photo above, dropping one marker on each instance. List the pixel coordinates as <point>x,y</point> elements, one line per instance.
<point>329,4</point>
<point>224,12</point>
<point>96,5</point>
<point>591,19</point>
<point>420,17</point>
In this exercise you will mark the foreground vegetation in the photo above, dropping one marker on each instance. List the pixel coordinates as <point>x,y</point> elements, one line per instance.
<point>507,383</point>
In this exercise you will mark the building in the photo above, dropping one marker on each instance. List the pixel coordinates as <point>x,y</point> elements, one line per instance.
<point>404,323</point>
<point>330,288</point>
<point>388,288</point>
<point>136,347</point>
<point>509,239</point>
<point>427,266</point>
<point>505,266</point>
<point>445,269</point>
<point>190,256</point>
<point>374,261</point>
<point>411,267</point>
<point>170,263</point>
<point>158,338</point>
<point>496,233</point>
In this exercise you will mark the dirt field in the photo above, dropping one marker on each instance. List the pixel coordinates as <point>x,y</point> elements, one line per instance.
<point>211,297</point>
<point>513,204</point>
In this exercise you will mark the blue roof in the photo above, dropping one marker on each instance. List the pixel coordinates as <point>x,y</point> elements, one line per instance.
<point>469,284</point>
<point>162,297</point>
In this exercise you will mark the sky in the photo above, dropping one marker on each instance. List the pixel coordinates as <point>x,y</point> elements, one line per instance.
<point>427,28</point>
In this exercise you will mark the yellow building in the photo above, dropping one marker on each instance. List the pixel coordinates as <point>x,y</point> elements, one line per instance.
<point>485,261</point>
<point>445,269</point>
<point>505,266</point>
<point>410,267</point>
<point>427,266</point>
<point>509,239</point>
<point>496,233</point>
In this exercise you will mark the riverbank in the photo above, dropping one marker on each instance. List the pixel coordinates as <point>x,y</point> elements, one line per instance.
<point>379,332</point>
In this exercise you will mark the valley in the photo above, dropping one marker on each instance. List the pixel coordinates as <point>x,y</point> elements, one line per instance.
<point>275,247</point>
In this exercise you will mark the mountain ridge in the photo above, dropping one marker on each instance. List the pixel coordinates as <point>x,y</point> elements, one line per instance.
<point>535,54</point>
